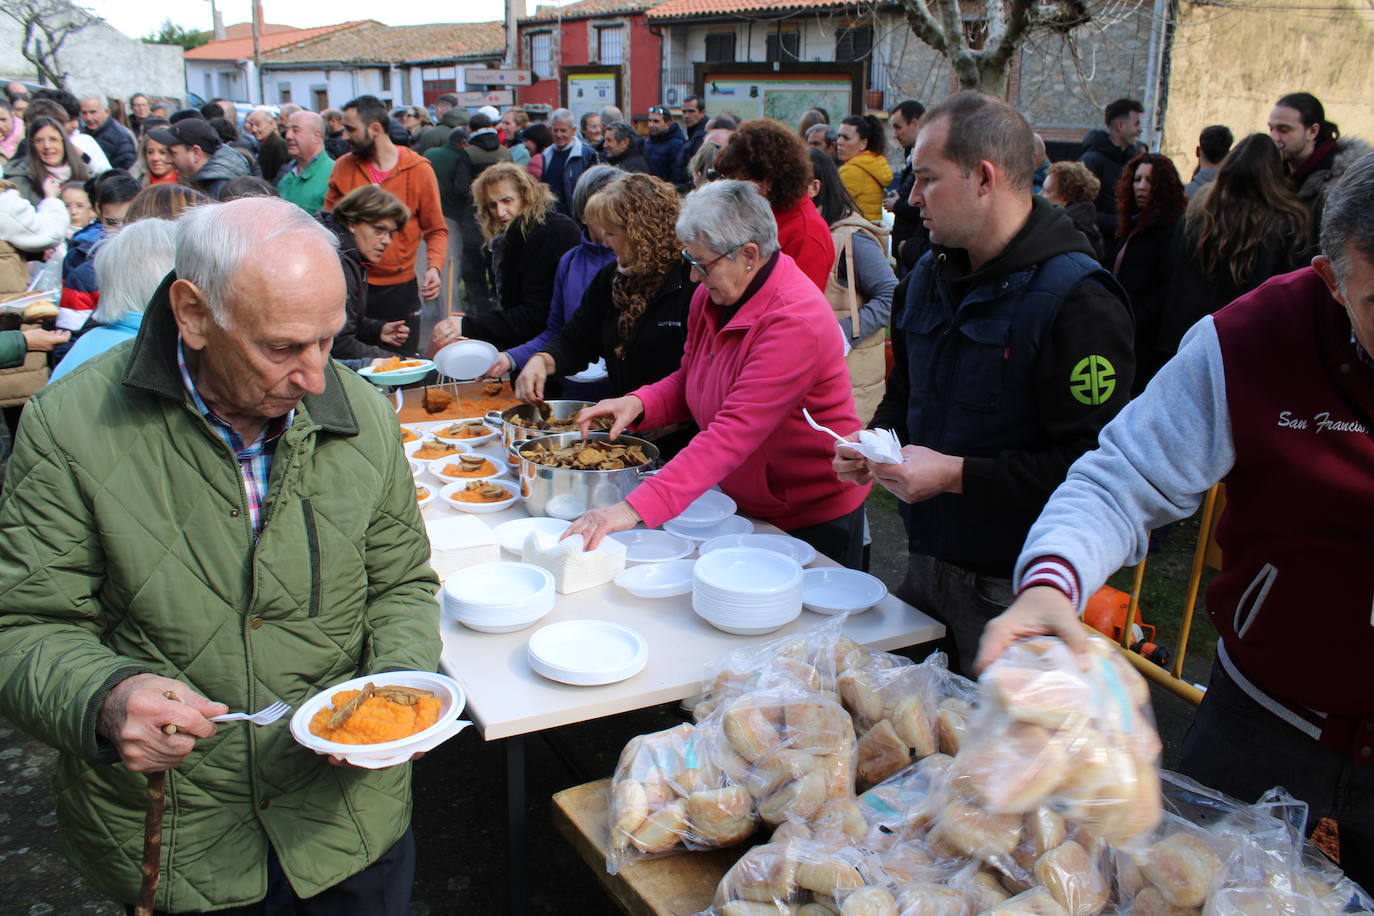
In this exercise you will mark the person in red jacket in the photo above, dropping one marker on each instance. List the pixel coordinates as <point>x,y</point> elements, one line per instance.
<point>392,290</point>
<point>776,160</point>
<point>762,344</point>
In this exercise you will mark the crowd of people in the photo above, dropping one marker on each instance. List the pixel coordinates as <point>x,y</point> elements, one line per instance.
<point>1053,343</point>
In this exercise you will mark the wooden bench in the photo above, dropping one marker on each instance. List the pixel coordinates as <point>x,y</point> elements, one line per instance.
<point>676,885</point>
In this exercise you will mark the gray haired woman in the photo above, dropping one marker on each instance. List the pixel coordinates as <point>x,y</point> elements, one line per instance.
<point>762,344</point>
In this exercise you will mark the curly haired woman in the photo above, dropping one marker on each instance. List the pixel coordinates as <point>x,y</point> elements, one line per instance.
<point>634,312</point>
<point>776,160</point>
<point>1149,204</point>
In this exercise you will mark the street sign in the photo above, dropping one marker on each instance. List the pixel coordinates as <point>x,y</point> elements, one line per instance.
<point>500,77</point>
<point>497,97</point>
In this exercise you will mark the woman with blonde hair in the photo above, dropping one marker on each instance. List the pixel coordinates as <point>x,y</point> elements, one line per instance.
<point>154,163</point>
<point>164,201</point>
<point>634,313</point>
<point>525,238</point>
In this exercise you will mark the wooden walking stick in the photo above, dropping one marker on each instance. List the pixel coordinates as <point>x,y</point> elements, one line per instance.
<point>448,298</point>
<point>152,831</point>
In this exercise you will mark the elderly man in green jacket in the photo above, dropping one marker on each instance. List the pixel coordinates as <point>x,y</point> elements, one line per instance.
<point>217,511</point>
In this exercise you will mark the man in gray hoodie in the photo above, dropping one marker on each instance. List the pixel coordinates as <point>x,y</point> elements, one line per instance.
<point>199,156</point>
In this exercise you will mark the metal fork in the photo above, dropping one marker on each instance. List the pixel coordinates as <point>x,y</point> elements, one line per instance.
<point>265,716</point>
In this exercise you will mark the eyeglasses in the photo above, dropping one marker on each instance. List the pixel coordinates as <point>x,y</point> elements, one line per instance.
<point>705,269</point>
<point>658,110</point>
<point>713,175</point>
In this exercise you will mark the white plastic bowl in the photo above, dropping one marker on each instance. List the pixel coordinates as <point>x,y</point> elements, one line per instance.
<point>499,585</point>
<point>467,443</point>
<point>658,580</point>
<point>832,590</point>
<point>480,508</point>
<point>429,488</point>
<point>410,448</point>
<point>709,508</point>
<point>386,753</point>
<point>587,653</point>
<point>416,467</point>
<point>784,544</point>
<point>748,572</point>
<point>731,524</point>
<point>399,376</point>
<point>511,535</point>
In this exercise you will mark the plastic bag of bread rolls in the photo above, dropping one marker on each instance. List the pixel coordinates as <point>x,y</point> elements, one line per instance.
<point>1051,732</point>
<point>666,796</point>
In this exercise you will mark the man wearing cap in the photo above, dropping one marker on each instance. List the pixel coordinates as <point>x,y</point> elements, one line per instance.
<point>198,155</point>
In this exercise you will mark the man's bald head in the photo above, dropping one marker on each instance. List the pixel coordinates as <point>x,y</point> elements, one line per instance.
<point>304,136</point>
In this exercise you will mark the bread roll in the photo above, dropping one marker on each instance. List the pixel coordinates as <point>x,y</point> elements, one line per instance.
<point>881,753</point>
<point>1043,830</point>
<point>629,809</point>
<point>845,654</point>
<point>1034,902</point>
<point>915,725</point>
<point>778,767</point>
<point>662,830</point>
<point>1150,902</point>
<point>749,731</point>
<point>1017,770</point>
<point>819,727</point>
<point>926,898</point>
<point>816,909</point>
<point>1049,697</point>
<point>826,874</point>
<point>764,874</point>
<point>861,697</point>
<point>869,901</point>
<point>951,721</point>
<point>796,672</point>
<point>1254,901</point>
<point>37,311</point>
<point>799,799</point>
<point>721,817</point>
<point>841,818</point>
<point>1072,878</point>
<point>986,891</point>
<point>750,908</point>
<point>972,830</point>
<point>1182,867</point>
<point>839,775</point>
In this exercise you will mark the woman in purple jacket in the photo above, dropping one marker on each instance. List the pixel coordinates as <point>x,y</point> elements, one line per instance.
<point>575,272</point>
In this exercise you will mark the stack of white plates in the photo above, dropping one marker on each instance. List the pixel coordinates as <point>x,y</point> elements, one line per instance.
<point>498,597</point>
<point>747,591</point>
<point>587,652</point>
<point>784,544</point>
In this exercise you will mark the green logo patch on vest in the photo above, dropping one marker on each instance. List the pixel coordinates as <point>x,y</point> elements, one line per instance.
<point>1092,381</point>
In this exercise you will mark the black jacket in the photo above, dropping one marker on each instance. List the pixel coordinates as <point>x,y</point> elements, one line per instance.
<point>1106,160</point>
<point>906,223</point>
<point>681,176</point>
<point>1143,269</point>
<point>117,143</point>
<point>484,149</point>
<point>359,336</point>
<point>1005,487</point>
<point>1084,216</point>
<point>632,160</point>
<point>272,156</point>
<point>524,261</point>
<point>336,145</point>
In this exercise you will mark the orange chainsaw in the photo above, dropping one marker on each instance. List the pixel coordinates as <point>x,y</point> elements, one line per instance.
<point>1106,613</point>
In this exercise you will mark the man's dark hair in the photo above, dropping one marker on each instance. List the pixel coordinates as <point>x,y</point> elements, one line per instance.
<point>723,122</point>
<point>113,186</point>
<point>1215,142</point>
<point>582,122</point>
<point>228,133</point>
<point>622,131</point>
<point>1310,111</point>
<point>910,110</point>
<point>982,127</point>
<point>458,137</point>
<point>697,99</point>
<point>212,110</point>
<point>370,110</point>
<point>1120,109</point>
<point>479,121</point>
<point>448,98</point>
<point>61,97</point>
<point>183,114</point>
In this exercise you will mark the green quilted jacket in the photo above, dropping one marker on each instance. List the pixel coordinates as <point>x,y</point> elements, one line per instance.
<point>125,547</point>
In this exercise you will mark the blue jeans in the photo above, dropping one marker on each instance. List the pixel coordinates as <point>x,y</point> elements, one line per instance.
<point>1240,748</point>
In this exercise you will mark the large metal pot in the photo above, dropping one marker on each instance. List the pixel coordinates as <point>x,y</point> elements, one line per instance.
<point>518,422</point>
<point>569,492</point>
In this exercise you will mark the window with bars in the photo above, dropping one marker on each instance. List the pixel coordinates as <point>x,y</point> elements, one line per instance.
<point>610,44</point>
<point>854,43</point>
<point>720,47</point>
<point>541,54</point>
<point>783,45</point>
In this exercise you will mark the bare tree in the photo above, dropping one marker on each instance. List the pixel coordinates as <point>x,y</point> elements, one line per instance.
<point>47,25</point>
<point>981,47</point>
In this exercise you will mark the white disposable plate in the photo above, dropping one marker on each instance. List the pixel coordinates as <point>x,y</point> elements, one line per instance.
<point>416,467</point>
<point>658,580</point>
<point>401,376</point>
<point>472,442</point>
<point>587,653</point>
<point>645,545</point>
<point>721,620</point>
<point>748,572</point>
<point>465,359</point>
<point>498,585</point>
<point>480,508</point>
<point>386,753</point>
<point>429,488</point>
<point>709,508</point>
<point>732,524</point>
<point>511,535</point>
<point>410,448</point>
<point>835,590</point>
<point>784,544</point>
<point>436,468</point>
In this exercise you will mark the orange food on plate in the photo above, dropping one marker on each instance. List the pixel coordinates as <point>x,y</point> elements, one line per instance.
<point>482,492</point>
<point>431,450</point>
<point>463,431</point>
<point>395,363</point>
<point>376,714</point>
<point>421,492</point>
<point>469,466</point>
<point>408,435</point>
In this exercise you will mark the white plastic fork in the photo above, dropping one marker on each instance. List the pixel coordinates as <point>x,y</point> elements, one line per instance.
<point>265,716</point>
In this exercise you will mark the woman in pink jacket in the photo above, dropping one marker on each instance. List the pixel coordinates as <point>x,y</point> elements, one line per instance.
<point>761,345</point>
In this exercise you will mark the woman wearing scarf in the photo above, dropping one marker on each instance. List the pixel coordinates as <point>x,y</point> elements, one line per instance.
<point>11,132</point>
<point>50,155</point>
<point>634,312</point>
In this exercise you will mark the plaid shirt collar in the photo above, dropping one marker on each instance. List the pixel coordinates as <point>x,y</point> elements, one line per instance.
<point>254,458</point>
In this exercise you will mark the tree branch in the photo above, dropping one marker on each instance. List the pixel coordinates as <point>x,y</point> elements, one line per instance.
<point>924,25</point>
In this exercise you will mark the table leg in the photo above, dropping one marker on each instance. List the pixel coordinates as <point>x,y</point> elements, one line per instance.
<point>517,843</point>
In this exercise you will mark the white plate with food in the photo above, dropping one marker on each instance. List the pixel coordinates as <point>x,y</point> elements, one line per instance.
<point>398,371</point>
<point>431,698</point>
<point>469,433</point>
<point>480,497</point>
<point>467,467</point>
<point>424,493</point>
<point>587,653</point>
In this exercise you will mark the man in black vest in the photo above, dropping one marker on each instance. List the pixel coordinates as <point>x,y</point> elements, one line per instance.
<point>1012,347</point>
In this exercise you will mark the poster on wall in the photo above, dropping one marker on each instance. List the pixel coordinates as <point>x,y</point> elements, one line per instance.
<point>592,91</point>
<point>782,96</point>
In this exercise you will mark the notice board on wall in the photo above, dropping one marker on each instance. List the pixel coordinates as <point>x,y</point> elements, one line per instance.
<point>590,89</point>
<point>780,90</point>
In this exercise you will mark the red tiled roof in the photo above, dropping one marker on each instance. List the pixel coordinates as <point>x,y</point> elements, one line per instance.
<point>588,9</point>
<point>245,29</point>
<point>372,42</point>
<point>273,37</point>
<point>682,9</point>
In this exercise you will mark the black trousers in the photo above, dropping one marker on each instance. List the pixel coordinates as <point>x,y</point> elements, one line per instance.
<point>381,889</point>
<point>392,303</point>
<point>840,539</point>
<point>1240,748</point>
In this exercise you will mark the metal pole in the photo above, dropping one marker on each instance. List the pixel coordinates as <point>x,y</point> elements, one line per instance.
<point>513,9</point>
<point>257,48</point>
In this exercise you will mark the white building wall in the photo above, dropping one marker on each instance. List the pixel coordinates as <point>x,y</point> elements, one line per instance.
<point>100,58</point>
<point>213,79</point>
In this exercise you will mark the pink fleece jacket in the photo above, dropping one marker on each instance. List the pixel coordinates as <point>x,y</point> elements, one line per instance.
<point>745,385</point>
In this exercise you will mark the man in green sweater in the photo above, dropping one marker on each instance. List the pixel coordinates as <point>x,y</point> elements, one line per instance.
<point>215,516</point>
<point>305,177</point>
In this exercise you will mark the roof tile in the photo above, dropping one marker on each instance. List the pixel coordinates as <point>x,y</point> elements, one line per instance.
<point>239,44</point>
<point>587,9</point>
<point>373,42</point>
<point>681,9</point>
